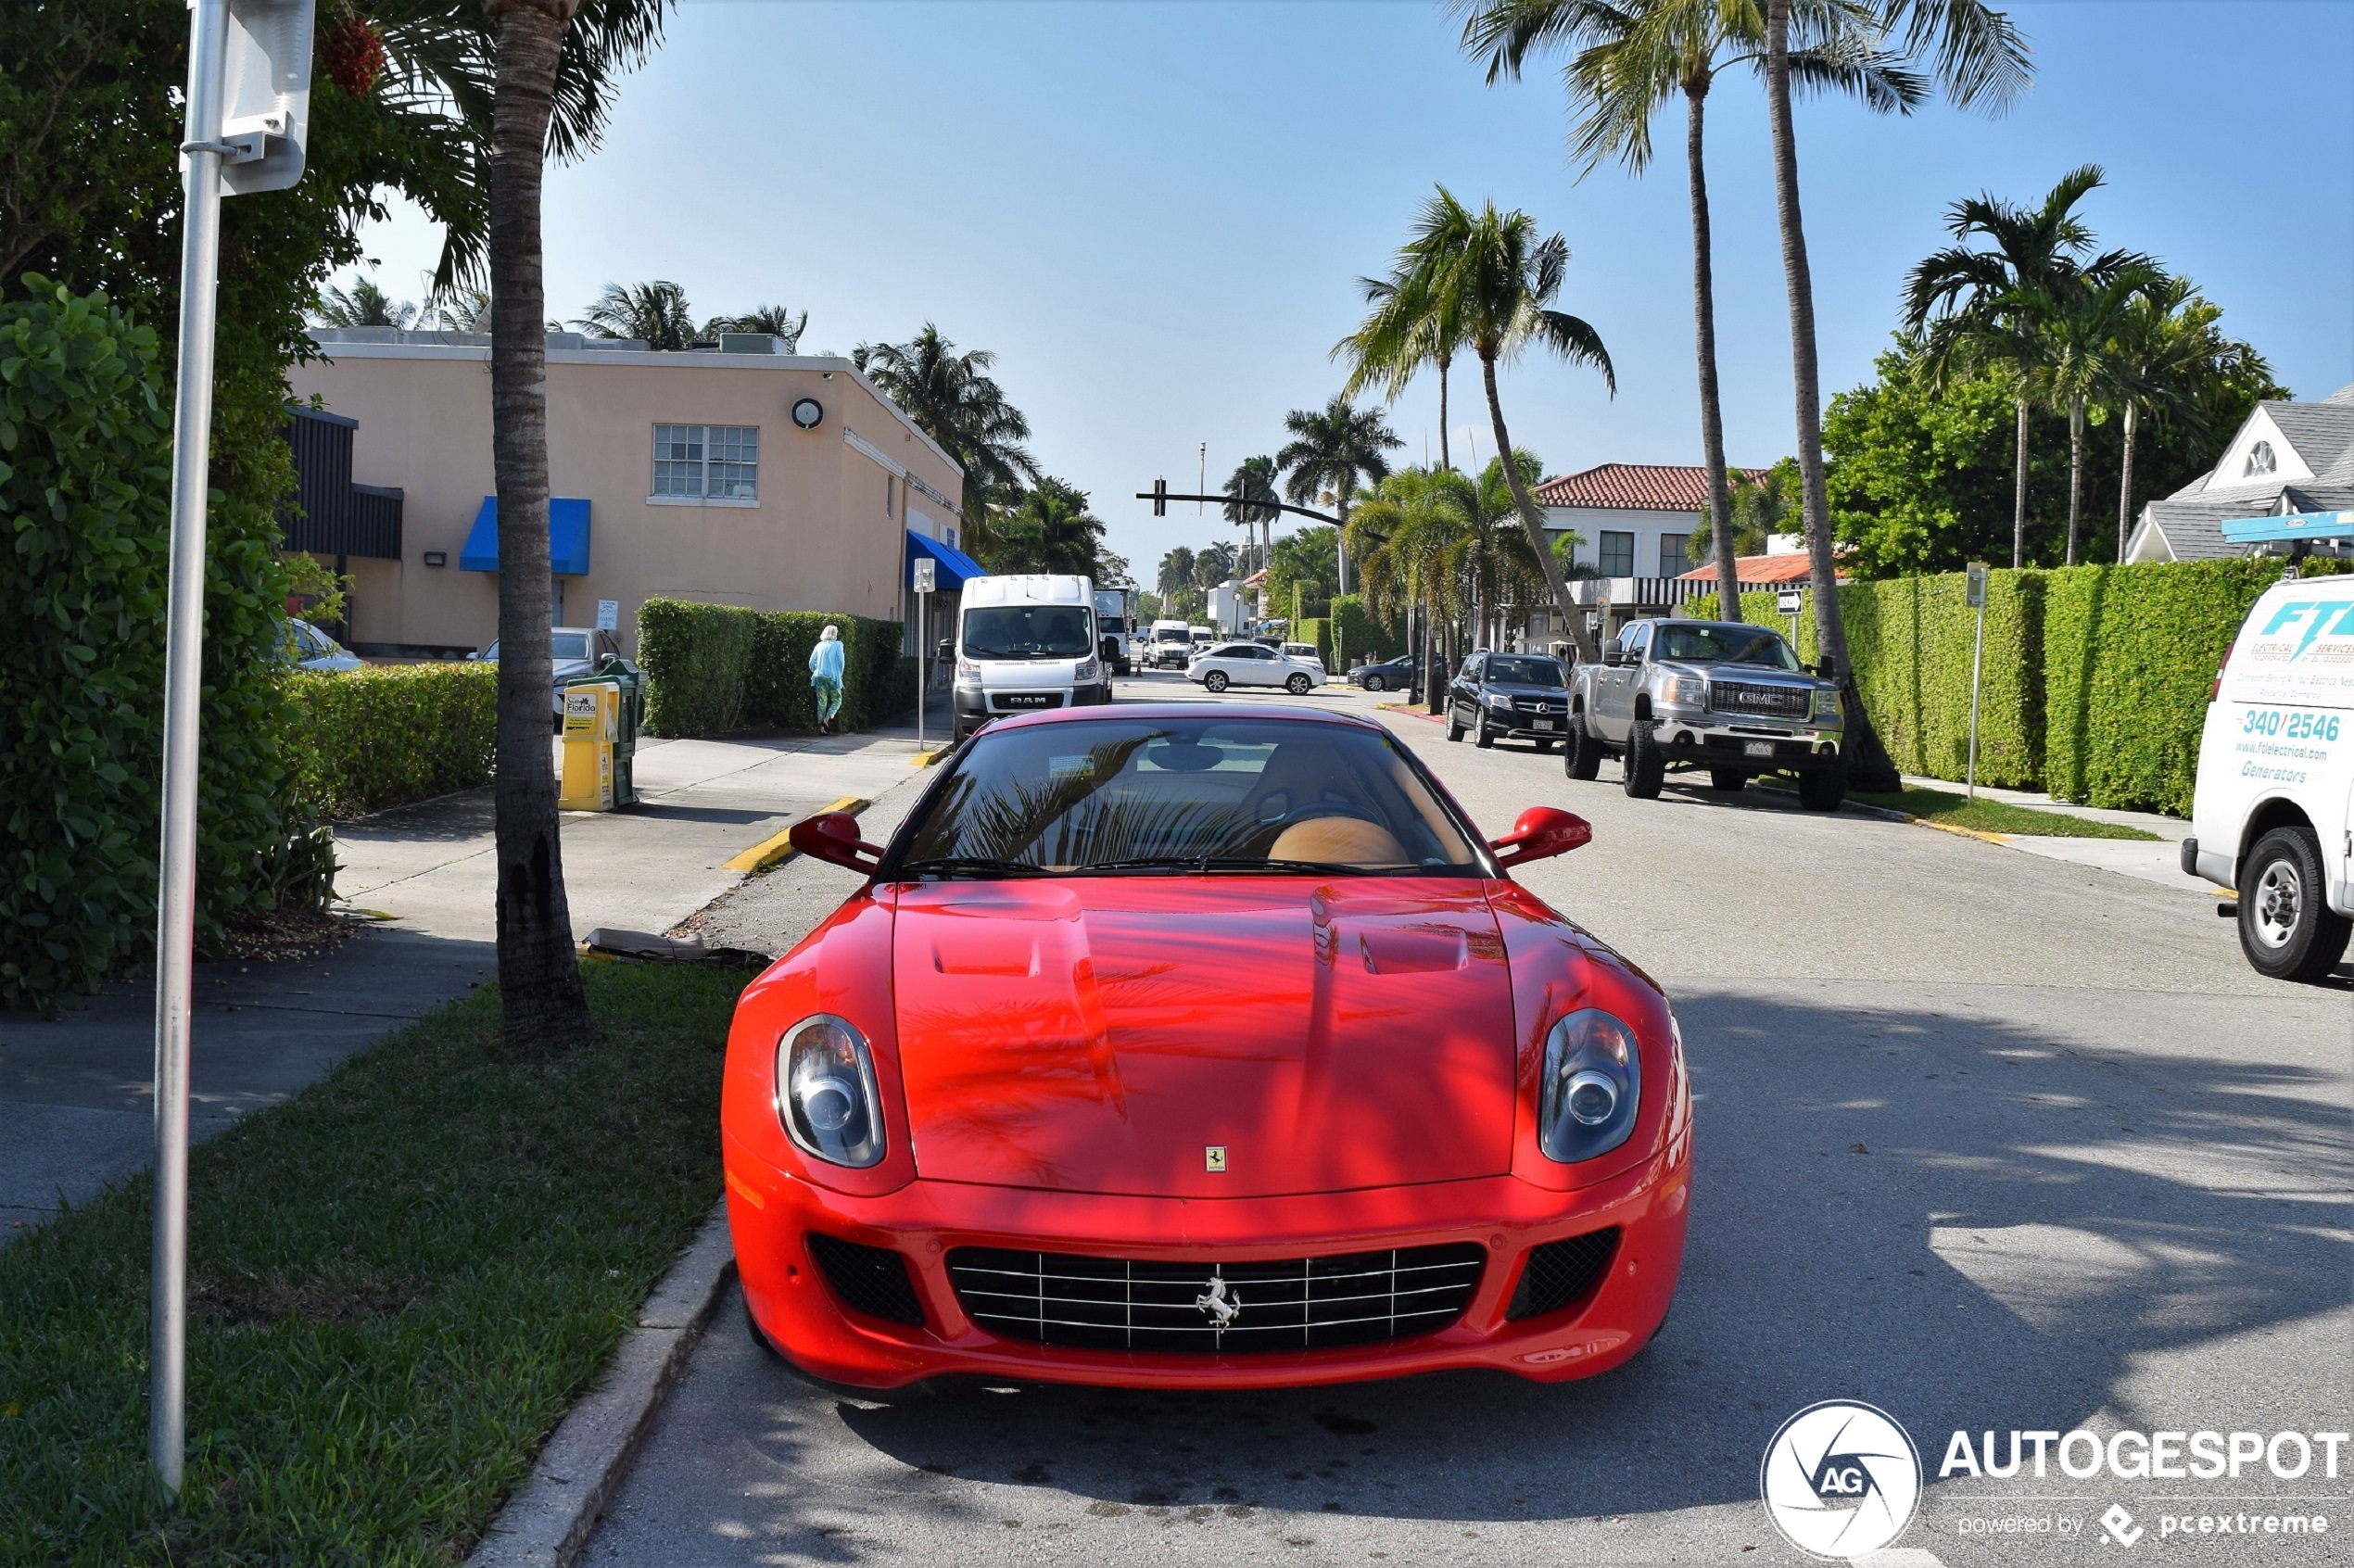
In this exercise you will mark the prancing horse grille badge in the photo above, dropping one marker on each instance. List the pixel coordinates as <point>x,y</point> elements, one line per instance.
<point>1213,1156</point>
<point>1222,1305</point>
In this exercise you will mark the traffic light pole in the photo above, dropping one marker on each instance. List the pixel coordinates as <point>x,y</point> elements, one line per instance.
<point>1161,498</point>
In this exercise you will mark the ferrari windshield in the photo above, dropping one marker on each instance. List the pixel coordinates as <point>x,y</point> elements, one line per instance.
<point>1731,645</point>
<point>1028,631</point>
<point>1136,796</point>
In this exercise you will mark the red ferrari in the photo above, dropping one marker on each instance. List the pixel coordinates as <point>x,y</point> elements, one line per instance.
<point>1208,1047</point>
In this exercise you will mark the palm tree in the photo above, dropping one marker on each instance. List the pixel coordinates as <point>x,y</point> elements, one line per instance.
<point>1631,59</point>
<point>1488,274</point>
<point>1334,450</point>
<point>2167,343</point>
<point>952,398</point>
<point>2084,367</point>
<point>1408,536</point>
<point>1995,307</point>
<point>1213,564</point>
<point>1977,57</point>
<point>1053,531</point>
<point>365,306</point>
<point>777,320</point>
<point>528,81</point>
<point>1253,480</point>
<point>655,313</point>
<point>1176,579</point>
<point>1394,359</point>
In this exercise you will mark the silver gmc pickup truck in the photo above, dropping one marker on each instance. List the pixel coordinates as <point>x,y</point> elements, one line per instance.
<point>1715,696</point>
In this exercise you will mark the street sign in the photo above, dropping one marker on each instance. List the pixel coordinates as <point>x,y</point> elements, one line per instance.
<point>609,615</point>
<point>265,96</point>
<point>926,573</point>
<point>1974,593</point>
<point>1791,600</point>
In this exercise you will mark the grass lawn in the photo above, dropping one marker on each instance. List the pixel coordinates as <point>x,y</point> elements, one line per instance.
<point>400,1280</point>
<point>1998,817</point>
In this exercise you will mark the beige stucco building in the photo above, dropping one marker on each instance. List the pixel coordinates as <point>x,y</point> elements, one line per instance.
<point>733,476</point>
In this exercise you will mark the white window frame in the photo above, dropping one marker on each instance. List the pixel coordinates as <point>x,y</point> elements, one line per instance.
<point>706,442</point>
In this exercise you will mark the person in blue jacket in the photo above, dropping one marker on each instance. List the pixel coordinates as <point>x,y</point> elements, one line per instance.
<point>825,678</point>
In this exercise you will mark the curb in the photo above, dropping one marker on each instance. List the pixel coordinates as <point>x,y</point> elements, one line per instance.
<point>547,1521</point>
<point>777,848</point>
<point>926,758</point>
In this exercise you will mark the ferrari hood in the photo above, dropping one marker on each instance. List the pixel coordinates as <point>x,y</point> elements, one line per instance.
<point>1135,1035</point>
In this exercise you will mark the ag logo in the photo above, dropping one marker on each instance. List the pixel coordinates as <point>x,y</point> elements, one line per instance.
<point>1841,1479</point>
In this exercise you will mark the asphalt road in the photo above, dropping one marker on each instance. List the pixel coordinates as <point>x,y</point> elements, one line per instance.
<point>1989,1141</point>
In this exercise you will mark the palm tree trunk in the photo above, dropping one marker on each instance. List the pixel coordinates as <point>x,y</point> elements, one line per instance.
<point>2075,469</point>
<point>1712,411</point>
<point>1529,521</point>
<point>542,1007</point>
<point>1868,768</point>
<point>1444,361</point>
<point>2018,501</point>
<point>2125,481</point>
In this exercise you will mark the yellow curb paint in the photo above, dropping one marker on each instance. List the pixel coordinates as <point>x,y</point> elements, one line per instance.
<point>778,848</point>
<point>925,759</point>
<point>1963,832</point>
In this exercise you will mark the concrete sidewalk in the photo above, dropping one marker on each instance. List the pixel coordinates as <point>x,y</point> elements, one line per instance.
<point>2160,862</point>
<point>76,1098</point>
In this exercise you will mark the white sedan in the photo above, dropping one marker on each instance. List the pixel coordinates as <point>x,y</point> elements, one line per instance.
<point>1253,664</point>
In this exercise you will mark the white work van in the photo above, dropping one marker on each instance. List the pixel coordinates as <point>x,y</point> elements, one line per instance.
<point>2270,816</point>
<point>1024,643</point>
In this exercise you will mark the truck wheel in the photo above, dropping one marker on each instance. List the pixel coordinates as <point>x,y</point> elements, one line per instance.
<point>1645,767</point>
<point>2286,927</point>
<point>1728,779</point>
<point>1581,754</point>
<point>1823,789</point>
<point>1298,685</point>
<point>1215,680</point>
<point>1375,683</point>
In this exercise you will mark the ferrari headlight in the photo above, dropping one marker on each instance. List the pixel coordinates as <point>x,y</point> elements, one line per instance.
<point>826,1092</point>
<point>1591,1086</point>
<point>1826,702</point>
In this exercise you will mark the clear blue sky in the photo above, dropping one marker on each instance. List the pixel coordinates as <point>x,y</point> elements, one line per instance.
<point>1154,212</point>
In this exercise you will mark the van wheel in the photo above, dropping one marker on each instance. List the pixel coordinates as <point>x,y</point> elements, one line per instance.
<point>1581,753</point>
<point>1298,685</point>
<point>1646,768</point>
<point>2286,927</point>
<point>1215,680</point>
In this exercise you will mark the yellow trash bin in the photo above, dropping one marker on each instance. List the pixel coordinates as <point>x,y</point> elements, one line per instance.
<point>592,714</point>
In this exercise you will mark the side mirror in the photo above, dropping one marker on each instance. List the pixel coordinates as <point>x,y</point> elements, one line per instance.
<point>833,836</point>
<point>1827,670</point>
<point>1540,834</point>
<point>1613,657</point>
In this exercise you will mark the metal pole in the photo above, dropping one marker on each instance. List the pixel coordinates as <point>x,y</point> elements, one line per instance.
<point>184,653</point>
<point>1976,663</point>
<point>923,661</point>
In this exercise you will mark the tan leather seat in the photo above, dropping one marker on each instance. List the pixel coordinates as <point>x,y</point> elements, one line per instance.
<point>1343,840</point>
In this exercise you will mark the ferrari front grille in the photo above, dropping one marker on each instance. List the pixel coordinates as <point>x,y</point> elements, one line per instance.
<point>872,1280</point>
<point>1213,1308</point>
<point>1561,1273</point>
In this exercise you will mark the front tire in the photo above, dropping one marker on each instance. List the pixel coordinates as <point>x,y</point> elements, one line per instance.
<point>1298,685</point>
<point>1215,680</point>
<point>1581,753</point>
<point>1823,789</point>
<point>2287,929</point>
<point>1646,767</point>
<point>1729,781</point>
<point>1486,736</point>
<point>1454,726</point>
<point>1375,683</point>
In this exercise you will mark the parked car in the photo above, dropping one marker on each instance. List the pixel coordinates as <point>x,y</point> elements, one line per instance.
<point>1253,664</point>
<point>1306,653</point>
<point>1390,675</point>
<point>2269,812</point>
<point>1075,1087</point>
<point>306,647</point>
<point>574,651</point>
<point>1720,696</point>
<point>1516,696</point>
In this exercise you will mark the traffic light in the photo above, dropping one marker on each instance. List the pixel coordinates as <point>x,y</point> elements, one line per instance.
<point>1161,498</point>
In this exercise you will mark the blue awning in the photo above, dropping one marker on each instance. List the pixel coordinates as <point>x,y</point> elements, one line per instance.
<point>567,537</point>
<point>2293,527</point>
<point>955,567</point>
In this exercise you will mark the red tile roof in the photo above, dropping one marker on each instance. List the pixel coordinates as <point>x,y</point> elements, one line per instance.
<point>1759,571</point>
<point>1634,486</point>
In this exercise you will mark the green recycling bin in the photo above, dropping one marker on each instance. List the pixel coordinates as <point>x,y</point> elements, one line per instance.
<point>630,719</point>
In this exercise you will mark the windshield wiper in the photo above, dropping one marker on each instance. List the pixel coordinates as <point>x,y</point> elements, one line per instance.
<point>1207,863</point>
<point>975,865</point>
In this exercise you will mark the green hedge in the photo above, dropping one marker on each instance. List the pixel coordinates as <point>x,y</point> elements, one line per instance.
<point>1318,630</point>
<point>1356,634</point>
<point>711,668</point>
<point>2130,657</point>
<point>369,739</point>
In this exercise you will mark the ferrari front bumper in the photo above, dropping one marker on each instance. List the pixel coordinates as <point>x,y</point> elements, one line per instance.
<point>773,1214</point>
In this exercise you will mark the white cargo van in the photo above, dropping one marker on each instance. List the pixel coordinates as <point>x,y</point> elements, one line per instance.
<point>2270,814</point>
<point>1025,643</point>
<point>1172,645</point>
